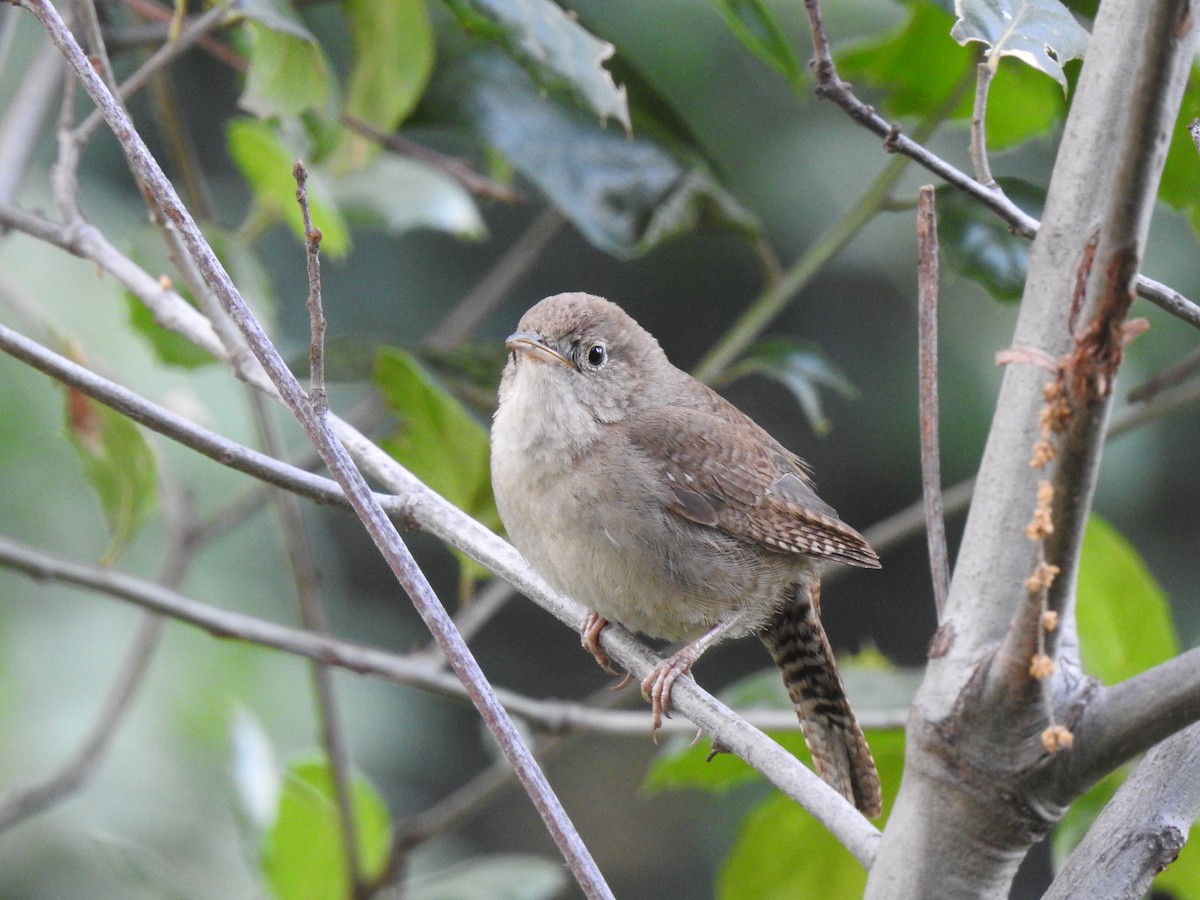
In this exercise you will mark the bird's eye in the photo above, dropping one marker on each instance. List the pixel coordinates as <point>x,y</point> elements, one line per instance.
<point>596,355</point>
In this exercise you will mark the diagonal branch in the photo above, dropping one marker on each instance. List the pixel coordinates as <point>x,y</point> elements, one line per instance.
<point>382,531</point>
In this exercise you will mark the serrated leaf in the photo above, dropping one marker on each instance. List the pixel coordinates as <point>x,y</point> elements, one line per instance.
<point>118,464</point>
<point>783,853</point>
<point>1040,33</point>
<point>803,368</point>
<point>625,195</point>
<point>553,47</point>
<point>753,23</point>
<point>507,876</point>
<point>978,246</point>
<point>1124,620</point>
<point>393,57</point>
<point>401,194</point>
<point>302,852</point>
<point>288,74</point>
<point>266,164</point>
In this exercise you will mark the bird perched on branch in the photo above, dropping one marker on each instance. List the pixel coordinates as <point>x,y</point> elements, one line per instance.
<point>645,495</point>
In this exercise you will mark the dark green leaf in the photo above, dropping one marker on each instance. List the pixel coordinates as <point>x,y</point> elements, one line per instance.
<point>753,23</point>
<point>977,245</point>
<point>302,852</point>
<point>118,464</point>
<point>625,195</point>
<point>266,164</point>
<point>556,50</point>
<point>288,73</point>
<point>1124,621</point>
<point>508,876</point>
<point>1041,33</point>
<point>437,440</point>
<point>803,368</point>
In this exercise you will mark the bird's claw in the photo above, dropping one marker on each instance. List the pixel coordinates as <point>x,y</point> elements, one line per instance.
<point>589,635</point>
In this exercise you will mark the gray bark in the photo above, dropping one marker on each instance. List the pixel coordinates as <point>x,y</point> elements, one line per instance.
<point>978,787</point>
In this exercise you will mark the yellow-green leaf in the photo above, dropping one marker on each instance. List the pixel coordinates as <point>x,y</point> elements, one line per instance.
<point>303,855</point>
<point>1124,621</point>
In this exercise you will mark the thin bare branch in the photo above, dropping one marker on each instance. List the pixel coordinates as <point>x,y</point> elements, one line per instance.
<point>457,169</point>
<point>927,364</point>
<point>979,154</point>
<point>26,114</point>
<point>316,310</point>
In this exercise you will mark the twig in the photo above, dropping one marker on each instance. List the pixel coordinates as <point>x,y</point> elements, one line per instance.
<point>927,356</point>
<point>455,168</point>
<point>300,557</point>
<point>316,311</point>
<point>979,154</point>
<point>831,87</point>
<point>384,534</point>
<point>1168,377</point>
<point>500,279</point>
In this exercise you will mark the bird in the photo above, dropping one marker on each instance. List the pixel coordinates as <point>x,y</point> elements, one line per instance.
<point>642,493</point>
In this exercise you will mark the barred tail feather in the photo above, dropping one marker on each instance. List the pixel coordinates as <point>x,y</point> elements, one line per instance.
<point>840,754</point>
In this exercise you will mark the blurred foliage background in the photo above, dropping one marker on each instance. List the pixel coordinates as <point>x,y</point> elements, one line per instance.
<point>733,168</point>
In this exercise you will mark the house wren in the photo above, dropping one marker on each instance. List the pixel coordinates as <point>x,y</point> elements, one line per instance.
<point>642,493</point>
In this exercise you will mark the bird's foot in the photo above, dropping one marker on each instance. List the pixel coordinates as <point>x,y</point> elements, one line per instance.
<point>656,687</point>
<point>589,634</point>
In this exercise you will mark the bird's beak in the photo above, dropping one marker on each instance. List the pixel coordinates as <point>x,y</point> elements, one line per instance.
<point>535,347</point>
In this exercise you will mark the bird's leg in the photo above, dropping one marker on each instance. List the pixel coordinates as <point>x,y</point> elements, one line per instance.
<point>656,687</point>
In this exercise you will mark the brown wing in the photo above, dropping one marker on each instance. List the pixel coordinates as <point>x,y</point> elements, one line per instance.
<point>753,489</point>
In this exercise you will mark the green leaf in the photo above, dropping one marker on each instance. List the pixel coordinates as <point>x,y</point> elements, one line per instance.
<point>556,50</point>
<point>393,57</point>
<point>118,464</point>
<point>1022,104</point>
<point>977,245</point>
<point>266,164</point>
<point>625,195</point>
<point>1124,621</point>
<point>302,852</point>
<point>783,852</point>
<point>1180,186</point>
<point>916,66</point>
<point>401,194</point>
<point>871,682</point>
<point>508,876</point>
<point>170,347</point>
<point>803,368</point>
<point>438,441</point>
<point>752,23</point>
<point>288,74</point>
<point>1040,33</point>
